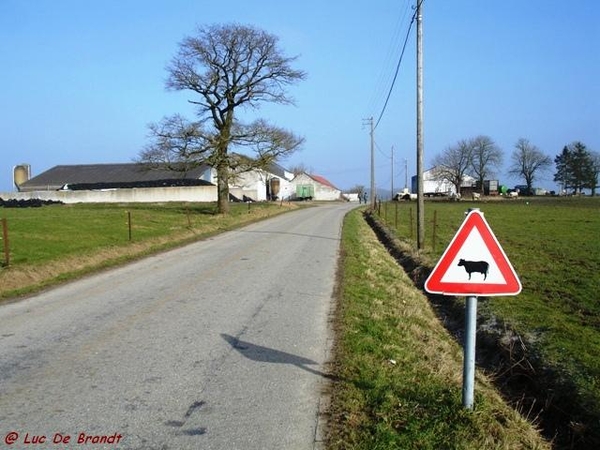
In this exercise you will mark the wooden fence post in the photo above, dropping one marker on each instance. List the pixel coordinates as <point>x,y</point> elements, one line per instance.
<point>434,228</point>
<point>5,240</point>
<point>129,224</point>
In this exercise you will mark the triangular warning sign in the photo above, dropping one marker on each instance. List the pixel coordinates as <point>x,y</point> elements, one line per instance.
<point>474,263</point>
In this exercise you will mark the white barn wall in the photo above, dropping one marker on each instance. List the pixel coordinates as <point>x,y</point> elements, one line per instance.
<point>249,184</point>
<point>134,195</point>
<point>326,193</point>
<point>433,185</point>
<point>253,184</point>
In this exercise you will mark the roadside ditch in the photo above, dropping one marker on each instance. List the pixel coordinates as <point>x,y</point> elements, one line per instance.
<point>540,393</point>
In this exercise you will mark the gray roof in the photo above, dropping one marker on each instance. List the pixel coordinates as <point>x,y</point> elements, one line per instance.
<point>58,176</point>
<point>276,170</point>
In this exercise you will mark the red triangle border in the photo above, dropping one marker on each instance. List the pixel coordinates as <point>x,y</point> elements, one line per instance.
<point>434,283</point>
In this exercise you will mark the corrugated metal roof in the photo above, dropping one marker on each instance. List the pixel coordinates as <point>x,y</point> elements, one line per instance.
<point>58,176</point>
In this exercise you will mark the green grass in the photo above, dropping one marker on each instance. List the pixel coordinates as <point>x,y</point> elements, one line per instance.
<point>59,242</point>
<point>39,235</point>
<point>399,371</point>
<point>554,245</point>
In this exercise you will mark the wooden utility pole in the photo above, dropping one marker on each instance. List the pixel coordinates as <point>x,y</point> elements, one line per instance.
<point>372,163</point>
<point>392,193</point>
<point>420,198</point>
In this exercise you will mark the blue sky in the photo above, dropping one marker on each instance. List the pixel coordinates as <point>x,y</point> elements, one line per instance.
<point>82,79</point>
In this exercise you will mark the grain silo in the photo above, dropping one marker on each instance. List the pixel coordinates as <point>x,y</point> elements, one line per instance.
<point>21,174</point>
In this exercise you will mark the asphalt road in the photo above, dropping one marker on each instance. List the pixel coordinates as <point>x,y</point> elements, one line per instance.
<point>217,345</point>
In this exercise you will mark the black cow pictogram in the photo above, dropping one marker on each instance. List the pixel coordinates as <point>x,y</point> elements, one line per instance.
<point>475,266</point>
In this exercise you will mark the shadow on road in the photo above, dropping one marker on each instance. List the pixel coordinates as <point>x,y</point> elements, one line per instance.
<point>265,354</point>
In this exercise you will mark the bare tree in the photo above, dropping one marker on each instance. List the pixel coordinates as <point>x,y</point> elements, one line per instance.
<point>452,164</point>
<point>357,189</point>
<point>300,168</point>
<point>227,67</point>
<point>177,144</point>
<point>527,161</point>
<point>486,156</point>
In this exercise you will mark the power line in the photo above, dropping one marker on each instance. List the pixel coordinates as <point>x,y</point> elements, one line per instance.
<point>412,21</point>
<point>389,62</point>
<point>381,151</point>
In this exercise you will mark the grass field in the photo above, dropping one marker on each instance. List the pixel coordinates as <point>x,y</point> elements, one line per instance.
<point>554,245</point>
<point>58,242</point>
<point>398,370</point>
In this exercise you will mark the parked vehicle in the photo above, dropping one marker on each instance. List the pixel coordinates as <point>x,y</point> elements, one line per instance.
<point>405,194</point>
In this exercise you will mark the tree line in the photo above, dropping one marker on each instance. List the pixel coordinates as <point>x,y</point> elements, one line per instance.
<point>577,167</point>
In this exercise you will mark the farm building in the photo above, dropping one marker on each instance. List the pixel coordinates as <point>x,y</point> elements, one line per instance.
<point>125,182</point>
<point>132,182</point>
<point>315,187</point>
<point>434,185</point>
<point>259,185</point>
<point>111,176</point>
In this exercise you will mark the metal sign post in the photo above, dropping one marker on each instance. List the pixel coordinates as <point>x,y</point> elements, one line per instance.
<point>469,352</point>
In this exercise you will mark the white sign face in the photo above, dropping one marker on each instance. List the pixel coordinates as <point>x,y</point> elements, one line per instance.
<point>475,251</point>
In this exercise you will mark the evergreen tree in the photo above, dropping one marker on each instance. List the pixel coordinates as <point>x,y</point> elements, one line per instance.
<point>563,164</point>
<point>595,172</point>
<point>575,168</point>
